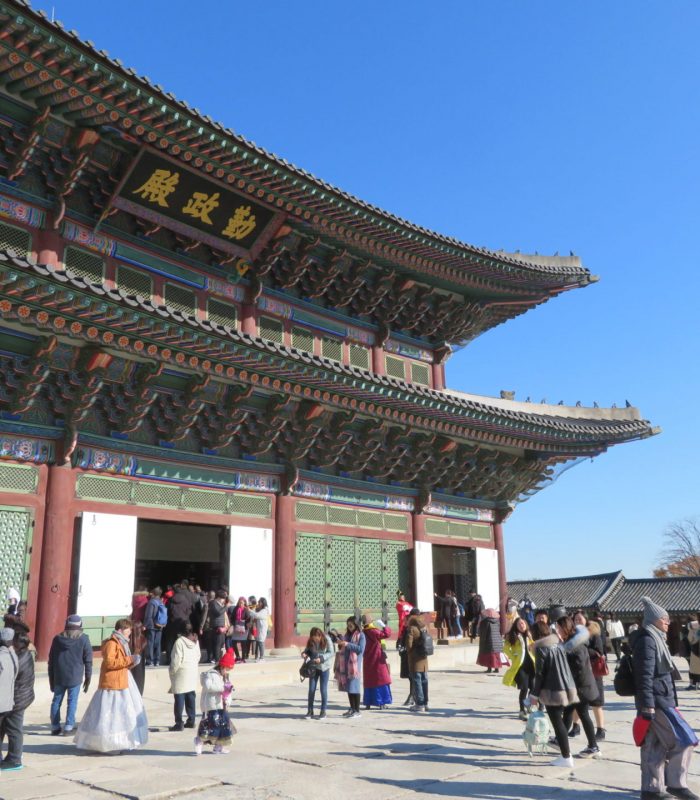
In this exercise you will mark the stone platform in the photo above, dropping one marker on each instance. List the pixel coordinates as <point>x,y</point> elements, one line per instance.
<point>469,746</point>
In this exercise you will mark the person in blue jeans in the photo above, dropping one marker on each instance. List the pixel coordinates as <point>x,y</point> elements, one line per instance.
<point>70,666</point>
<point>154,620</point>
<point>318,653</point>
<point>417,661</point>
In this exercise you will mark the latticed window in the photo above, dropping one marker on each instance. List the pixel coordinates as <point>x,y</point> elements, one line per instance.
<point>180,299</point>
<point>395,368</point>
<point>132,281</point>
<point>332,348</point>
<point>16,478</point>
<point>86,265</point>
<point>222,313</point>
<point>271,329</point>
<point>15,239</point>
<point>359,356</point>
<point>420,373</point>
<point>303,339</point>
<point>310,512</point>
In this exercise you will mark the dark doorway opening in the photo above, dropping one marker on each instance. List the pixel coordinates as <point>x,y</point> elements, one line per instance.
<point>168,552</point>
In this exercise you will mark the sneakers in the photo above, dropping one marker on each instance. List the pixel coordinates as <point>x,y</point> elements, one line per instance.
<point>590,752</point>
<point>322,715</point>
<point>600,734</point>
<point>355,714</point>
<point>197,746</point>
<point>575,730</point>
<point>219,750</point>
<point>348,713</point>
<point>309,715</point>
<point>523,715</point>
<point>189,723</point>
<point>418,709</point>
<point>68,731</point>
<point>562,762</point>
<point>56,732</point>
<point>10,766</point>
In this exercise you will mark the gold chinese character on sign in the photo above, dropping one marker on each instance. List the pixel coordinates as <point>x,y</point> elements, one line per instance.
<point>240,224</point>
<point>156,189</point>
<point>200,205</point>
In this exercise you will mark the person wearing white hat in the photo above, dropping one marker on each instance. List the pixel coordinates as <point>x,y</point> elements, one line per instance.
<point>667,745</point>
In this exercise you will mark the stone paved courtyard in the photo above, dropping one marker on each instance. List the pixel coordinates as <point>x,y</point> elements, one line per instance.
<point>469,746</point>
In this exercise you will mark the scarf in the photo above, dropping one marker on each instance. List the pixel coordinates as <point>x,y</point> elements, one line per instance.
<point>351,668</point>
<point>123,641</point>
<point>664,663</point>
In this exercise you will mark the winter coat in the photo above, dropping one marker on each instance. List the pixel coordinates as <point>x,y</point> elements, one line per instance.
<point>184,666</point>
<point>579,659</point>
<point>70,659</point>
<point>211,697</point>
<point>24,682</point>
<point>474,607</point>
<point>554,683</point>
<point>261,620</point>
<point>354,684</point>
<point>180,606</point>
<point>216,615</point>
<point>8,676</point>
<point>376,670</point>
<point>614,629</point>
<point>245,621</point>
<point>653,688</point>
<point>114,672</point>
<point>517,653</point>
<point>417,662</point>
<point>448,607</point>
<point>327,656</point>
<point>694,638</point>
<point>139,601</point>
<point>151,614</point>
<point>490,639</point>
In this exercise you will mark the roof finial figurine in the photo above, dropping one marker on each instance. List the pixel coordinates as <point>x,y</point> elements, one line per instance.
<point>595,404</point>
<point>628,404</point>
<point>527,399</point>
<point>560,403</point>
<point>614,405</point>
<point>578,404</point>
<point>543,401</point>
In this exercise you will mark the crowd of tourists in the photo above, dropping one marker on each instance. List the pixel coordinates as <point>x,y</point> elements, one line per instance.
<point>555,659</point>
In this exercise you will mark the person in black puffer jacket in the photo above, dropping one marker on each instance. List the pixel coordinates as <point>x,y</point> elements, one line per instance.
<point>668,743</point>
<point>575,639</point>
<point>12,724</point>
<point>490,641</point>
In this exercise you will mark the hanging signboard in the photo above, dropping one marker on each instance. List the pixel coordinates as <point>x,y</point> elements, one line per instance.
<point>165,192</point>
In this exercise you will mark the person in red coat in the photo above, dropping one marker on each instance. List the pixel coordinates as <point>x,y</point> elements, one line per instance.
<point>376,675</point>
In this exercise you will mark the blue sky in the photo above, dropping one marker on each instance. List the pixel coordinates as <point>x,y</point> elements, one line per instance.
<point>542,127</point>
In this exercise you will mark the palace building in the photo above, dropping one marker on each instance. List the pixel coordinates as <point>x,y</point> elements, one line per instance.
<point>217,366</point>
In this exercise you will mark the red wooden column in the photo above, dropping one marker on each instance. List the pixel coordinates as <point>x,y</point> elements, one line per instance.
<point>248,324</point>
<point>378,360</point>
<point>419,534</point>
<point>48,244</point>
<point>56,557</point>
<point>284,572</point>
<point>500,549</point>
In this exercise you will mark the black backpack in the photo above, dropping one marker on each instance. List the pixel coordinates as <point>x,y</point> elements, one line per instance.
<point>624,677</point>
<point>424,646</point>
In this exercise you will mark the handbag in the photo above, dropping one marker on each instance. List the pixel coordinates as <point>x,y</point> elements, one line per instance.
<point>599,665</point>
<point>239,629</point>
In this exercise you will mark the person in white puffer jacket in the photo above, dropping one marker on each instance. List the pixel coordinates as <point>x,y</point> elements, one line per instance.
<point>216,727</point>
<point>184,674</point>
<point>616,633</point>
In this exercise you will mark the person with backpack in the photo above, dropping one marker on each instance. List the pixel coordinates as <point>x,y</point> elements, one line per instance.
<point>666,739</point>
<point>521,673</point>
<point>419,645</point>
<point>155,618</point>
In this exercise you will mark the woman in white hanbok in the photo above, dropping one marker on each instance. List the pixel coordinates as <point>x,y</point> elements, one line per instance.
<point>115,720</point>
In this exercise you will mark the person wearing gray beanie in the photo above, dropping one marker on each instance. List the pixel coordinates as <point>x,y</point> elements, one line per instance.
<point>668,742</point>
<point>652,611</point>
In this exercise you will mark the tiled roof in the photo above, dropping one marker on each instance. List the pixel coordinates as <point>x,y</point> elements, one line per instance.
<point>311,196</point>
<point>581,592</point>
<point>676,595</point>
<point>559,434</point>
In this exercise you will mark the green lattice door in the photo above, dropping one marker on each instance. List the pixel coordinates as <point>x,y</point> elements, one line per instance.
<point>16,527</point>
<point>339,576</point>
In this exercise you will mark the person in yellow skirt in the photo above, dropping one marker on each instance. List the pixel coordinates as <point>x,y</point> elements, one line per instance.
<point>518,647</point>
